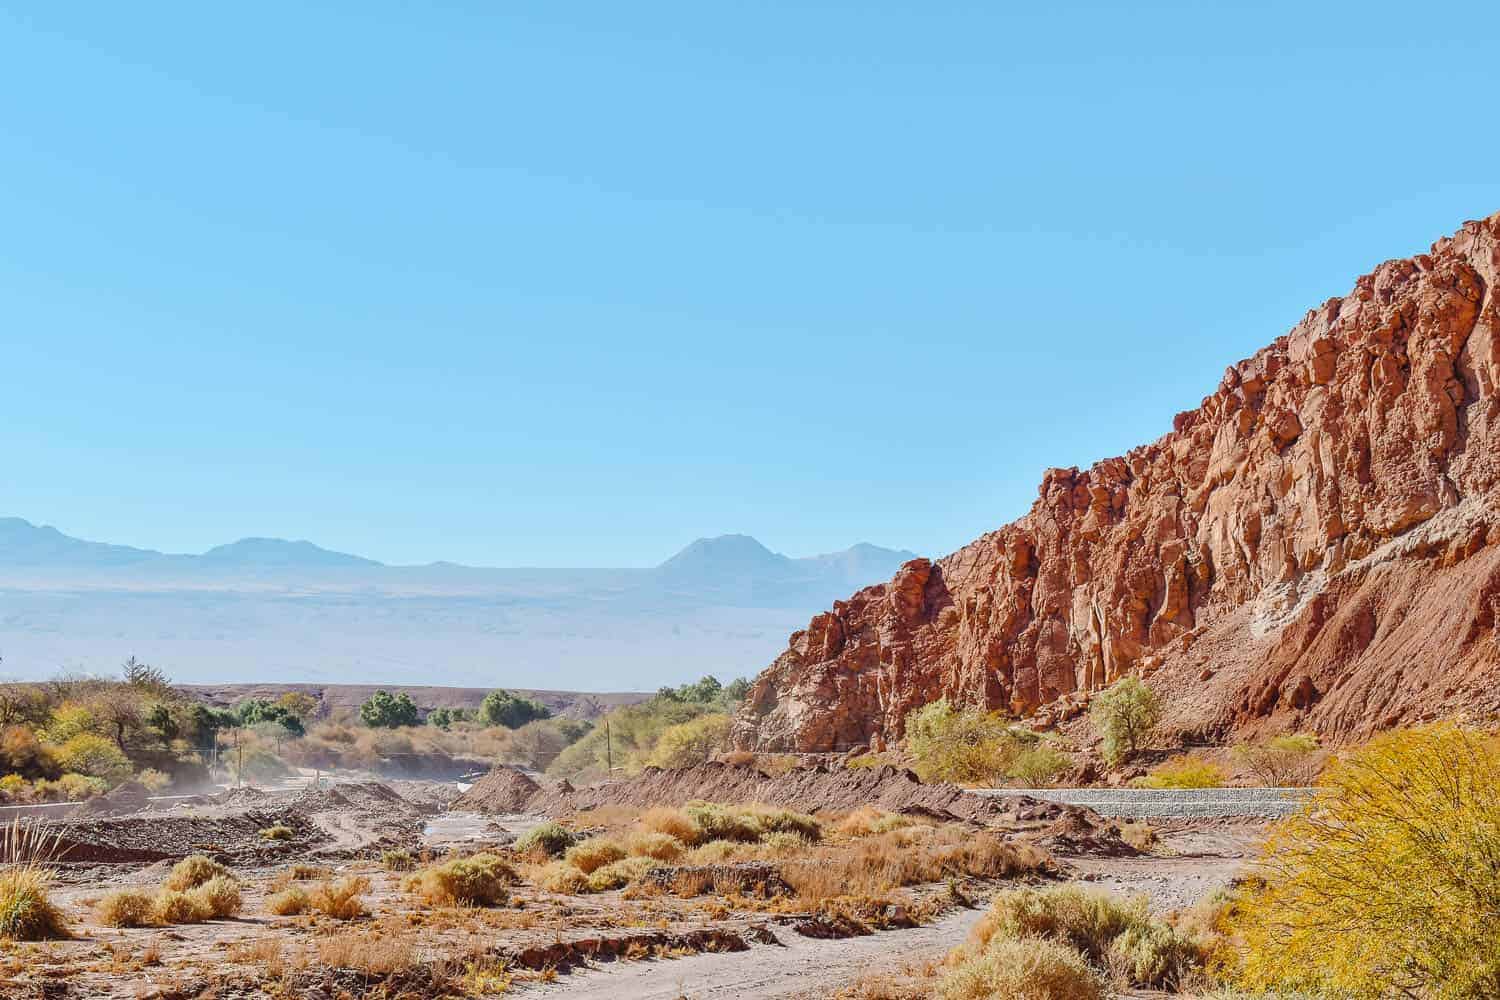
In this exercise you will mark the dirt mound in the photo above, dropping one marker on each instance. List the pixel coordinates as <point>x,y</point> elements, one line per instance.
<point>129,798</point>
<point>503,790</point>
<point>816,789</point>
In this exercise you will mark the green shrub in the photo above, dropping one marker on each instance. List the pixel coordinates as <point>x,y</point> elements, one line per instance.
<point>397,861</point>
<point>552,839</point>
<point>561,877</point>
<point>786,821</point>
<point>1039,766</point>
<point>1185,772</point>
<point>966,746</point>
<point>693,742</point>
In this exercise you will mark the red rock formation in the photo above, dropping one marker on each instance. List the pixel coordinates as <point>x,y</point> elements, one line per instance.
<point>1315,545</point>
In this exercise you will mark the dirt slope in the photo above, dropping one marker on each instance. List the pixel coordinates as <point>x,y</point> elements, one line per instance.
<point>1314,546</point>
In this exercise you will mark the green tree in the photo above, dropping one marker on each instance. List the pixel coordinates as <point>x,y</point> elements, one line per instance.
<point>256,711</point>
<point>1039,766</point>
<point>161,722</point>
<point>501,708</point>
<point>968,745</point>
<point>1125,716</point>
<point>383,711</point>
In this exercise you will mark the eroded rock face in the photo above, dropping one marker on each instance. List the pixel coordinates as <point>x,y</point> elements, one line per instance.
<point>1314,545</point>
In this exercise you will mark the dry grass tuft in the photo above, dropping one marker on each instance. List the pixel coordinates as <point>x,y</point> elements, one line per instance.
<point>673,823</point>
<point>373,953</point>
<point>277,832</point>
<point>560,877</point>
<point>217,898</point>
<point>618,874</point>
<point>1022,969</point>
<point>341,899</point>
<point>289,902</point>
<point>481,880</point>
<point>173,906</point>
<point>650,844</point>
<point>124,908</point>
<point>593,854</point>
<point>193,871</point>
<point>26,909</point>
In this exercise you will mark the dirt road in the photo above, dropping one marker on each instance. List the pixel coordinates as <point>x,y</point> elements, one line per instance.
<point>792,969</point>
<point>1192,864</point>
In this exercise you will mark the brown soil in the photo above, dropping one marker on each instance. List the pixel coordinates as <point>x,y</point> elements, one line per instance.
<point>813,789</point>
<point>343,821</point>
<point>503,790</point>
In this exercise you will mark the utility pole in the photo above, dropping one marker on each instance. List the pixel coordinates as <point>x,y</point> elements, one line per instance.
<point>609,753</point>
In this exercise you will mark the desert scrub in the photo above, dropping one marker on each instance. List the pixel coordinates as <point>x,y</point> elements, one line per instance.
<point>1385,884</point>
<point>672,822</point>
<point>785,821</point>
<point>650,844</point>
<point>1154,954</point>
<point>193,871</point>
<point>397,861</point>
<point>27,912</point>
<point>340,899</point>
<point>1141,836</point>
<point>868,820</point>
<point>618,874</point>
<point>277,832</point>
<point>594,854</point>
<point>26,909</point>
<point>560,877</point>
<point>1022,969</point>
<point>551,839</point>
<point>175,906</point>
<point>1185,772</point>
<point>719,822</point>
<point>289,902</point>
<point>1088,920</point>
<point>217,898</point>
<point>783,842</point>
<point>124,908</point>
<point>481,880</point>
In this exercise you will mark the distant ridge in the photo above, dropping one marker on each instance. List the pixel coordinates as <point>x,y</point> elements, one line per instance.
<point>23,543</point>
<point>269,610</point>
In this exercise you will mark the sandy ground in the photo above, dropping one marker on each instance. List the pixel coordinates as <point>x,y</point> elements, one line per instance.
<point>789,969</point>
<point>1189,864</point>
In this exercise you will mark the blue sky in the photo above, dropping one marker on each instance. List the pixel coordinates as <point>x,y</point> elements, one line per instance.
<point>572,284</point>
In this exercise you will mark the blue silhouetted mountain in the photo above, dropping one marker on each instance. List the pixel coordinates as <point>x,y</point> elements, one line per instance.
<point>261,553</point>
<point>267,609</point>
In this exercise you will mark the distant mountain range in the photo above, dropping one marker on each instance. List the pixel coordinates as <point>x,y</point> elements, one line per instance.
<point>272,610</point>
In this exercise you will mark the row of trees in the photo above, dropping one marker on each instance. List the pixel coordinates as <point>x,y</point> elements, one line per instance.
<point>499,708</point>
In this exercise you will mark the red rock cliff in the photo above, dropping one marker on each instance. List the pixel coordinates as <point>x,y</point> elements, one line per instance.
<point>1317,544</point>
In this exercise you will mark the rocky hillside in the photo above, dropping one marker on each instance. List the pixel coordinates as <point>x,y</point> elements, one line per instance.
<point>1316,545</point>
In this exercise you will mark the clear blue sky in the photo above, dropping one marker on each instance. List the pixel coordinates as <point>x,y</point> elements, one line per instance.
<point>572,284</point>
